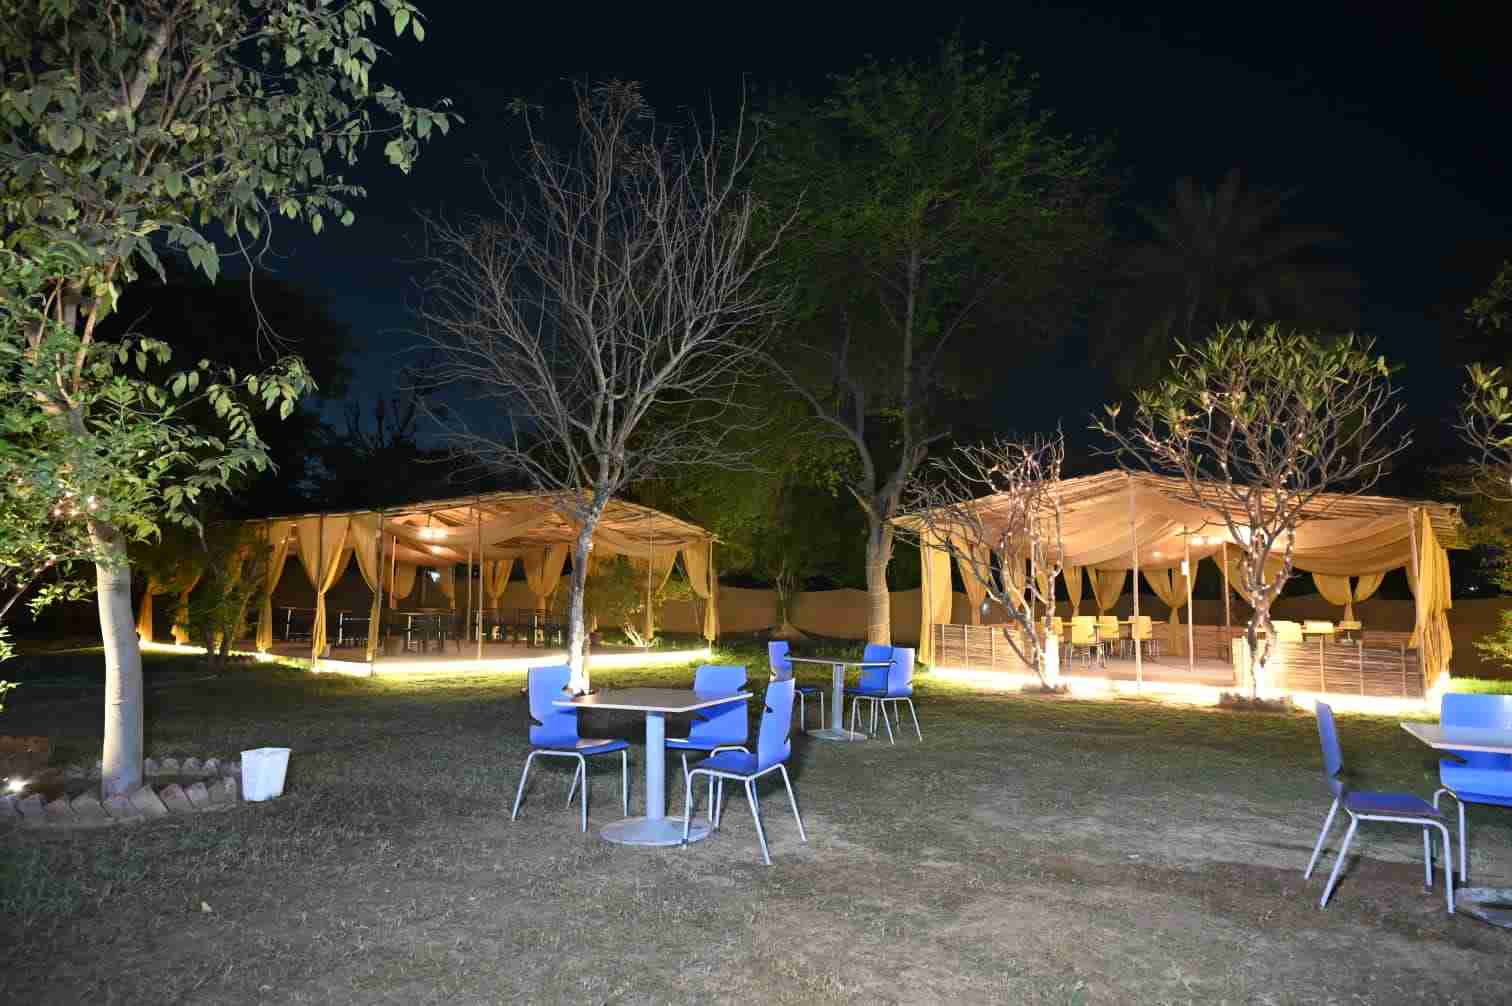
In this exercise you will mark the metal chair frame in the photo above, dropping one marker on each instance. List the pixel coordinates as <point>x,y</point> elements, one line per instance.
<point>581,774</point>
<point>716,801</point>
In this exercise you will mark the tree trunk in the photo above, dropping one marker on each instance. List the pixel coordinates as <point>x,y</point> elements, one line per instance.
<point>577,630</point>
<point>879,543</point>
<point>121,758</point>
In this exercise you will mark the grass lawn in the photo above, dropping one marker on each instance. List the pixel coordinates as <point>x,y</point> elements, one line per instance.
<point>1031,849</point>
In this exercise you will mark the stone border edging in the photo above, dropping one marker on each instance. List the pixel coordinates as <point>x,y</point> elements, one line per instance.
<point>218,788</point>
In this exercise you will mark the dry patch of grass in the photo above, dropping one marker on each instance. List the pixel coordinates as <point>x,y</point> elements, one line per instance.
<point>1032,849</point>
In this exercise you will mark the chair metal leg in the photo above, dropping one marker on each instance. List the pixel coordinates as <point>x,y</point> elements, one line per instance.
<point>1322,836</point>
<point>1427,860</point>
<point>855,704</point>
<point>1448,867</point>
<point>576,778</point>
<point>915,714</point>
<point>712,823</point>
<point>792,801</point>
<point>886,721</point>
<point>1463,844</point>
<point>688,807</point>
<point>1333,878</point>
<point>802,713</point>
<point>718,803</point>
<point>873,716</point>
<point>750,788</point>
<point>584,770</point>
<point>822,720</point>
<point>625,782</point>
<point>520,791</point>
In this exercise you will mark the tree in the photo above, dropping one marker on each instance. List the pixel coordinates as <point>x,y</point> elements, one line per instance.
<point>992,539</point>
<point>357,464</point>
<point>618,284</point>
<point>235,562</point>
<point>1212,256</point>
<point>1490,309</point>
<point>1258,423</point>
<point>131,130</point>
<point>942,218</point>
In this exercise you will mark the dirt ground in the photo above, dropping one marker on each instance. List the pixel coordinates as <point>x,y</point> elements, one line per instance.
<point>1029,850</point>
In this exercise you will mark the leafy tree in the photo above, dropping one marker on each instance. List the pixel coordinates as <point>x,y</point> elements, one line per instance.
<point>235,562</point>
<point>1258,423</point>
<point>133,129</point>
<point>1211,257</point>
<point>1491,309</point>
<point>942,216</point>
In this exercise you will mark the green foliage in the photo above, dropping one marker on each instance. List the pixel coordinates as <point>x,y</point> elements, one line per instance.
<point>947,168</point>
<point>1497,645</point>
<point>129,128</point>
<point>1491,309</point>
<point>615,593</point>
<point>235,563</point>
<point>1209,258</point>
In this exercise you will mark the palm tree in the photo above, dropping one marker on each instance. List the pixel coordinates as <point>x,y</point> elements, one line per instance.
<point>1215,257</point>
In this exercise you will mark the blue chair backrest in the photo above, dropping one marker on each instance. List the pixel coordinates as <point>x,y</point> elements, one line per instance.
<point>777,656</point>
<point>1333,757</point>
<point>1491,711</point>
<point>772,744</point>
<point>875,678</point>
<point>900,674</point>
<point>726,724</point>
<point>550,725</point>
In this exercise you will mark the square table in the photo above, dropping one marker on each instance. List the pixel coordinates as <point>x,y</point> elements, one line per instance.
<point>655,828</point>
<point>1452,738</point>
<point>836,730</point>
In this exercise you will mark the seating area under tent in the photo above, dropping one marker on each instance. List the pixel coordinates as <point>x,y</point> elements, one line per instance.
<point>1118,526</point>
<point>438,582</point>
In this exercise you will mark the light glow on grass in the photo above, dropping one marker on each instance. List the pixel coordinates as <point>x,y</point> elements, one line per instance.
<point>596,661</point>
<point>1179,692</point>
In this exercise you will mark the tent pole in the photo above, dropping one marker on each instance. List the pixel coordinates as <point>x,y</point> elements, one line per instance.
<point>393,569</point>
<point>1226,620</point>
<point>319,579</point>
<point>1134,628</point>
<point>1191,574</point>
<point>478,512</point>
<point>375,613</point>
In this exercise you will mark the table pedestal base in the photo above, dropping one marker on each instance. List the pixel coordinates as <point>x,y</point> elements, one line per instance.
<point>837,734</point>
<point>652,831</point>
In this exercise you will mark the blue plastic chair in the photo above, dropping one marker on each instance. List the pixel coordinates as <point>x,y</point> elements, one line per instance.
<point>772,751</point>
<point>782,667</point>
<point>554,734</point>
<point>887,685</point>
<point>1360,805</point>
<point>1477,776</point>
<point>719,727</point>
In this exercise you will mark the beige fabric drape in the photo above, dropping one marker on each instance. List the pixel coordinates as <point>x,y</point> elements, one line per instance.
<point>1366,586</point>
<point>144,610</point>
<point>1107,586</point>
<point>364,542</point>
<point>975,563</point>
<point>1431,590</point>
<point>661,563</point>
<point>1170,585</point>
<point>280,538</point>
<point>934,597</point>
<point>543,571</point>
<point>324,555</point>
<point>180,627</point>
<point>496,574</point>
<point>698,563</point>
<point>402,582</point>
<point>1073,578</point>
<point>1336,590</point>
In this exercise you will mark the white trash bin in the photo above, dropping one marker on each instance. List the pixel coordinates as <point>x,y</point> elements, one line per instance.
<point>263,771</point>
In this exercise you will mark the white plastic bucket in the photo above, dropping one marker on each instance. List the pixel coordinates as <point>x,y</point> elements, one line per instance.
<point>263,771</point>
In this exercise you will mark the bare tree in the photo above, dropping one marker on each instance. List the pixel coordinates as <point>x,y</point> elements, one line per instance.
<point>1486,425</point>
<point>995,507</point>
<point>606,314</point>
<point>1259,424</point>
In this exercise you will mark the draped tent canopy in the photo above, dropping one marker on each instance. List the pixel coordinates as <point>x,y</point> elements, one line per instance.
<point>1106,517</point>
<point>494,529</point>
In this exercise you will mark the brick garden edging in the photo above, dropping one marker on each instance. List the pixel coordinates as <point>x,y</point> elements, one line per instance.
<point>217,788</point>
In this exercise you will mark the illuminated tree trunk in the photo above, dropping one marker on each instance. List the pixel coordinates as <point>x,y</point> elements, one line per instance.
<point>879,546</point>
<point>121,756</point>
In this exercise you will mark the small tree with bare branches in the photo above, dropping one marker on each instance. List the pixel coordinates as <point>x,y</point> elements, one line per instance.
<point>1486,425</point>
<point>605,315</point>
<point>994,507</point>
<point>1259,423</point>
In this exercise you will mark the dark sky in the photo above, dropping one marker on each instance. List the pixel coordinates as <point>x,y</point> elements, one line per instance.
<point>1392,123</point>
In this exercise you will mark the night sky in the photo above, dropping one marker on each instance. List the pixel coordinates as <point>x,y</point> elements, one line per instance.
<point>1392,125</point>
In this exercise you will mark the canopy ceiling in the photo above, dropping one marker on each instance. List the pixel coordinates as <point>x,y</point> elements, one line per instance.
<point>1104,516</point>
<point>510,525</point>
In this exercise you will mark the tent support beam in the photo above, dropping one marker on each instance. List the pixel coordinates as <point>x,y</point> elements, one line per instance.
<point>1134,627</point>
<point>1191,574</point>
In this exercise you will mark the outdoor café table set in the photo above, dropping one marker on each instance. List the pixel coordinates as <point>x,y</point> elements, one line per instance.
<point>718,730</point>
<point>1476,730</point>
